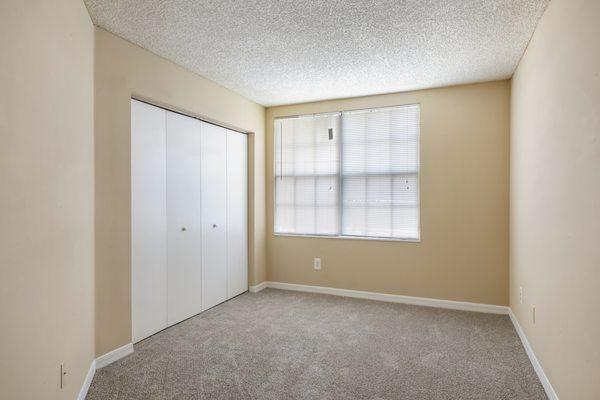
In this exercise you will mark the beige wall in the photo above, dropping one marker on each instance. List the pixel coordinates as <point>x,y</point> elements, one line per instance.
<point>123,70</point>
<point>555,196</point>
<point>50,150</point>
<point>46,198</point>
<point>463,253</point>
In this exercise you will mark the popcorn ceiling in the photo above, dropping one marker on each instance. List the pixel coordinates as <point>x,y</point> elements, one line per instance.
<point>291,51</point>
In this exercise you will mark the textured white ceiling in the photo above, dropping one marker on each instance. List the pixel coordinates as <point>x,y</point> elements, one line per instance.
<point>291,51</point>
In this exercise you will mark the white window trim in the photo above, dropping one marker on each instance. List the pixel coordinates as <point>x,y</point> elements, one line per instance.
<point>349,237</point>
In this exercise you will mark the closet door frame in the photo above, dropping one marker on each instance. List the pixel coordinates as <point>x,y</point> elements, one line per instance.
<point>159,251</point>
<point>148,220</point>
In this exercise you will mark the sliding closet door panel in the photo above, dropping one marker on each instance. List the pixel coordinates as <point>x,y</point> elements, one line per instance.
<point>214,215</point>
<point>237,213</point>
<point>148,220</point>
<point>183,218</point>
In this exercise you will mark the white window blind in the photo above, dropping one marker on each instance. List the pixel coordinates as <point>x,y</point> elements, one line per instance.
<point>354,174</point>
<point>380,173</point>
<point>307,175</point>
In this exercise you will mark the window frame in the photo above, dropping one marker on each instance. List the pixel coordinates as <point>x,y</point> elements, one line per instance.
<point>340,177</point>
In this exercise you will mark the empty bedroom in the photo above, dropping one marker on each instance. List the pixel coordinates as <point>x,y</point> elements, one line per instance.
<point>300,199</point>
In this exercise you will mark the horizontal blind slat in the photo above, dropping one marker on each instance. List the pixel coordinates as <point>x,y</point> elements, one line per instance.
<point>379,170</point>
<point>307,175</point>
<point>378,146</point>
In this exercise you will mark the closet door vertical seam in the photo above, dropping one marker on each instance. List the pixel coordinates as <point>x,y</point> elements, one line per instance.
<point>227,203</point>
<point>166,215</point>
<point>202,234</point>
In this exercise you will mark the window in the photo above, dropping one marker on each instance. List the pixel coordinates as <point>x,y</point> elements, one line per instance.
<point>348,174</point>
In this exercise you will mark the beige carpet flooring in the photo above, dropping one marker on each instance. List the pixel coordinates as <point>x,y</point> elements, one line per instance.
<point>289,345</point>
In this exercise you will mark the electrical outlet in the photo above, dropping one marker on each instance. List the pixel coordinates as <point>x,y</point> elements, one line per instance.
<point>520,294</point>
<point>317,264</point>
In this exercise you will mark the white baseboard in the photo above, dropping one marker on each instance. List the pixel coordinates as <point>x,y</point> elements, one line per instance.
<point>114,355</point>
<point>423,301</point>
<point>392,298</point>
<point>259,287</point>
<point>87,382</point>
<point>534,361</point>
<point>123,351</point>
<point>100,362</point>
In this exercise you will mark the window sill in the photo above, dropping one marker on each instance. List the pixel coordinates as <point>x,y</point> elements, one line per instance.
<point>367,238</point>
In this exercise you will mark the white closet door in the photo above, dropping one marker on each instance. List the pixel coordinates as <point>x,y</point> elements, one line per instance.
<point>184,280</point>
<point>148,220</point>
<point>214,215</point>
<point>237,213</point>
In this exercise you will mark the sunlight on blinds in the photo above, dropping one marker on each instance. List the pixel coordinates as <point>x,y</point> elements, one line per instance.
<point>354,173</point>
<point>307,174</point>
<point>380,173</point>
